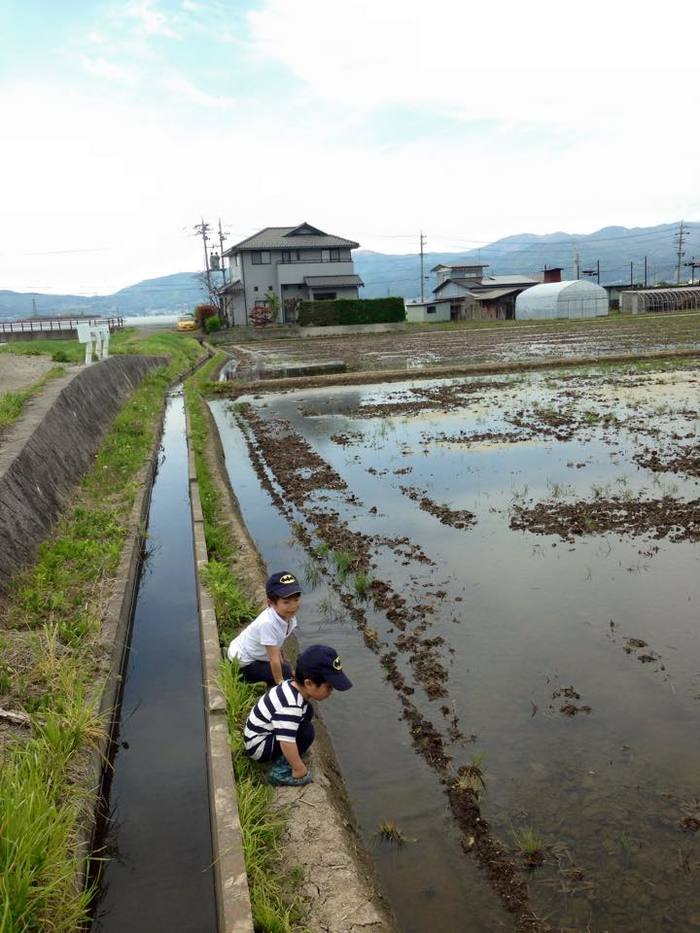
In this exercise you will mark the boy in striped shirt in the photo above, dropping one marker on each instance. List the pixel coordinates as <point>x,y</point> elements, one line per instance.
<point>279,726</point>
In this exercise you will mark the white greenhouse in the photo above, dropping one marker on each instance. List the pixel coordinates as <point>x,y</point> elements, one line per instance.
<point>577,299</point>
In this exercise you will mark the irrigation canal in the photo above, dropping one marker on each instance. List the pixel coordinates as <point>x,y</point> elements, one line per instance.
<point>157,839</point>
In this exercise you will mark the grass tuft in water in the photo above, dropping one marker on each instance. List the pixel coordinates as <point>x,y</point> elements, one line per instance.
<point>312,573</point>
<point>321,550</point>
<point>530,844</point>
<point>361,583</point>
<point>344,561</point>
<point>389,831</point>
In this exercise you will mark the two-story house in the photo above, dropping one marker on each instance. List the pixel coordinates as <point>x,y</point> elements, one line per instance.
<point>292,263</point>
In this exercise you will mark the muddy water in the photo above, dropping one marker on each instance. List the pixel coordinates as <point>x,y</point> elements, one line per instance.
<point>533,625</point>
<point>157,841</point>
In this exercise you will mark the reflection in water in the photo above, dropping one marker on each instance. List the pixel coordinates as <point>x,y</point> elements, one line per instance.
<point>588,738</point>
<point>158,874</point>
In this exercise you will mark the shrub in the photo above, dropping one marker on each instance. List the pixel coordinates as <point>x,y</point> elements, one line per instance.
<point>60,356</point>
<point>211,324</point>
<point>261,316</point>
<point>203,312</point>
<point>352,311</point>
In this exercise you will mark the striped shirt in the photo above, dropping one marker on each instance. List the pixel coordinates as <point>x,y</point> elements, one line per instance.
<point>276,715</point>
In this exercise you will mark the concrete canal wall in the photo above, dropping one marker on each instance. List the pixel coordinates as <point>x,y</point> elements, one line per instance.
<point>49,450</point>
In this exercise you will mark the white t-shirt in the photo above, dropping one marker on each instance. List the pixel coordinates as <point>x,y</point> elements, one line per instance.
<point>268,629</point>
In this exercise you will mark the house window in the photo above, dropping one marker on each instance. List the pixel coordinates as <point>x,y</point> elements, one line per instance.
<point>289,255</point>
<point>334,255</point>
<point>430,309</point>
<point>260,257</point>
<point>255,288</point>
<point>324,296</point>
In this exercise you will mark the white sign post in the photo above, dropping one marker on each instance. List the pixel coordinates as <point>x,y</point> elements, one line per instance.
<point>96,340</point>
<point>85,336</point>
<point>101,332</point>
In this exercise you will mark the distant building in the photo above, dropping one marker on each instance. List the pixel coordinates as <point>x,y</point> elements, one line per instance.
<point>431,311</point>
<point>553,300</point>
<point>293,263</point>
<point>477,296</point>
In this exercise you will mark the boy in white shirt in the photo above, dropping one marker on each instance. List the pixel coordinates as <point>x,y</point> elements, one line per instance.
<point>258,647</point>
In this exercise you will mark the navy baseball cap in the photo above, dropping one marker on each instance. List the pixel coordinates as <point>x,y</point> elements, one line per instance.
<point>282,584</point>
<point>324,661</point>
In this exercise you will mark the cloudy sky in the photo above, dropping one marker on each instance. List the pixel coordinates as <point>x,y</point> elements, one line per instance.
<point>125,122</point>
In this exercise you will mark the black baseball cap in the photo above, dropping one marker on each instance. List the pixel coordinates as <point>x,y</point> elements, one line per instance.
<point>282,584</point>
<point>324,661</point>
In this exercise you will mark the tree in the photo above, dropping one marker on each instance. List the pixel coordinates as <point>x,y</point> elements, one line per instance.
<point>208,283</point>
<point>292,306</point>
<point>273,303</point>
<point>203,312</point>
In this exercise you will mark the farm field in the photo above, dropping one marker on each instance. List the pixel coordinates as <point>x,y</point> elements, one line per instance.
<point>493,342</point>
<point>509,567</point>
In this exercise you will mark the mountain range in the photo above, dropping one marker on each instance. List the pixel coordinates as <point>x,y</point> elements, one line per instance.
<point>614,248</point>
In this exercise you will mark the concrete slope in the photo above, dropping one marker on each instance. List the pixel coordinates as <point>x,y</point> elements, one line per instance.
<point>48,451</point>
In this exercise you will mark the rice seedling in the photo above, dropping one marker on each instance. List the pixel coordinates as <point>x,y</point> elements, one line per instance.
<point>343,562</point>
<point>329,608</point>
<point>321,550</point>
<point>361,583</point>
<point>389,831</point>
<point>530,845</point>
<point>470,777</point>
<point>312,573</point>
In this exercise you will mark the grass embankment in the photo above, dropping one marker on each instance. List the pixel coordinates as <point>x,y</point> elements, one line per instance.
<point>12,403</point>
<point>275,907</point>
<point>49,638</point>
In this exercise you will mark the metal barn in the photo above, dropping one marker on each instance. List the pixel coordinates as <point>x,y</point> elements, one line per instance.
<point>552,300</point>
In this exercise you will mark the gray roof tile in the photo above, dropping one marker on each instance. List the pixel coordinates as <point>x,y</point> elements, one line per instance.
<point>319,281</point>
<point>280,238</point>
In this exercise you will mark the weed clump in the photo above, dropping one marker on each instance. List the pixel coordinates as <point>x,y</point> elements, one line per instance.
<point>389,831</point>
<point>530,846</point>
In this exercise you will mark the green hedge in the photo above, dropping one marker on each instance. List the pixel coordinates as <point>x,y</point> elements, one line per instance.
<point>351,311</point>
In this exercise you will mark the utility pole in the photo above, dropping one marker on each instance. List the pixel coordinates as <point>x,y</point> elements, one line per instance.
<point>693,266</point>
<point>222,236</point>
<point>422,244</point>
<point>631,272</point>
<point>645,272</point>
<point>202,229</point>
<point>577,265</point>
<point>223,305</point>
<point>595,272</point>
<point>679,237</point>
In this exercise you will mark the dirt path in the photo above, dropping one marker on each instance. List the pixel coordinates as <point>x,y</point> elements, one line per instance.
<point>19,372</point>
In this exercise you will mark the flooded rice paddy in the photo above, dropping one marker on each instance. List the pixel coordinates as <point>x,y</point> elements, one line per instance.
<point>510,569</point>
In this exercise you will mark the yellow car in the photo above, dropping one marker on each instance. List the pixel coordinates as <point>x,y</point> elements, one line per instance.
<point>186,323</point>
